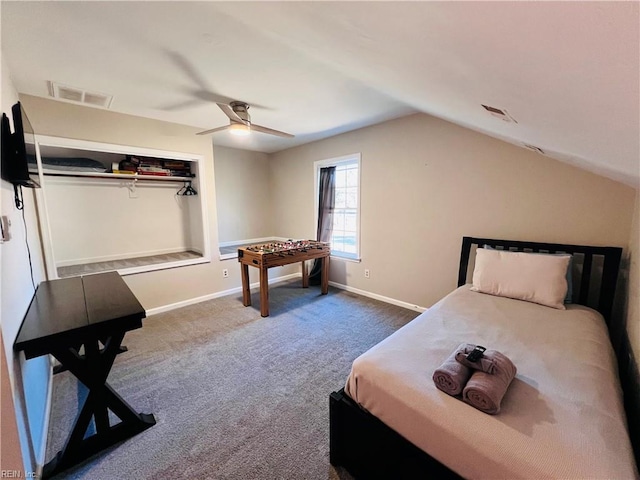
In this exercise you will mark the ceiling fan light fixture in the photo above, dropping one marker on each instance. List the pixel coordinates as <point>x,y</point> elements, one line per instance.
<point>240,129</point>
<point>240,122</point>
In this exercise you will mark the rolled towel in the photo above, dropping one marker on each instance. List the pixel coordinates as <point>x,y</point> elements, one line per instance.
<point>451,376</point>
<point>485,391</point>
<point>486,363</point>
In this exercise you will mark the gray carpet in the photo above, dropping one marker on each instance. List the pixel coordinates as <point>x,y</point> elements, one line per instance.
<point>235,396</point>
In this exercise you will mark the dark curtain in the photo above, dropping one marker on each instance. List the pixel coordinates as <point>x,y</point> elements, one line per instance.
<point>326,205</point>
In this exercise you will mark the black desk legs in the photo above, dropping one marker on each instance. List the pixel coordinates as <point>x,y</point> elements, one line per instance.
<point>92,369</point>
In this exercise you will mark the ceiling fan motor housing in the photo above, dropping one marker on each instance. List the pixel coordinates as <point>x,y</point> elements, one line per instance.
<point>241,109</point>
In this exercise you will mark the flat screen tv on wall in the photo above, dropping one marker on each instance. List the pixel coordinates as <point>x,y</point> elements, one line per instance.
<point>16,148</point>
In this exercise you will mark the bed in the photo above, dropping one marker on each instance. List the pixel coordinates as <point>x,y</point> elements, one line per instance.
<point>562,417</point>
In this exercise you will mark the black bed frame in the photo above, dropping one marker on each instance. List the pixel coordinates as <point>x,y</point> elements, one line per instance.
<point>367,448</point>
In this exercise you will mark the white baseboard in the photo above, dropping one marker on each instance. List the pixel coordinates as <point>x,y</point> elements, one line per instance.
<point>223,293</point>
<point>284,278</point>
<point>382,298</point>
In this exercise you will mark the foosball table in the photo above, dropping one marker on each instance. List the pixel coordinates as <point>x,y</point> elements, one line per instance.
<point>277,254</point>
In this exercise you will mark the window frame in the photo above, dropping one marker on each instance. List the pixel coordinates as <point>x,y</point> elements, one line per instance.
<point>354,158</point>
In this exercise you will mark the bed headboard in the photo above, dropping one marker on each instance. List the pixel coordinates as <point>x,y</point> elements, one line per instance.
<point>595,269</point>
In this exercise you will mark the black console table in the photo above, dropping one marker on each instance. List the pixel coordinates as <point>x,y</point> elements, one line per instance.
<point>81,321</point>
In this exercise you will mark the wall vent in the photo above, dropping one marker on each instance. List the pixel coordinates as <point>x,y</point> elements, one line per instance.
<point>534,148</point>
<point>78,95</point>
<point>500,113</point>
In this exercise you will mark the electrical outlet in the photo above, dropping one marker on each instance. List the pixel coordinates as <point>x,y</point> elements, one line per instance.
<point>225,272</point>
<point>367,273</point>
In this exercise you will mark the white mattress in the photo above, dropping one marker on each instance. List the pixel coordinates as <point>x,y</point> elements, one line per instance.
<point>562,416</point>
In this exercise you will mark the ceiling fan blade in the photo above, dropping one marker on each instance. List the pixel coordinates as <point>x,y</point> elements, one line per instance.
<point>180,106</point>
<point>228,111</point>
<point>203,91</point>
<point>271,131</point>
<point>186,66</point>
<point>213,130</point>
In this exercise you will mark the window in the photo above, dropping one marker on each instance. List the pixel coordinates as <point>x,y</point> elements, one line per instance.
<point>345,236</point>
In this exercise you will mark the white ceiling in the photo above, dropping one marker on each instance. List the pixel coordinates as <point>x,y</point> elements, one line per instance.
<point>568,72</point>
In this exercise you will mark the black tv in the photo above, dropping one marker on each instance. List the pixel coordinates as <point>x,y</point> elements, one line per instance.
<point>8,152</point>
<point>17,148</point>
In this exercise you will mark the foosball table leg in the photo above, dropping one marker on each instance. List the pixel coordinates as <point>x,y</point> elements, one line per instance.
<point>325,276</point>
<point>246,292</point>
<point>264,292</point>
<point>305,275</point>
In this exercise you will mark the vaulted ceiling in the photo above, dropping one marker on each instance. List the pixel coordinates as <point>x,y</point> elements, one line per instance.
<point>568,73</point>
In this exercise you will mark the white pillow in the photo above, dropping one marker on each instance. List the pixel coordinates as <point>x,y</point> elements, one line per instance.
<point>524,276</point>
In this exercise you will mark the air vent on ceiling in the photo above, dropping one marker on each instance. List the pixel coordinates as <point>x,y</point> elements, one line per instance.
<point>534,148</point>
<point>78,95</point>
<point>500,113</point>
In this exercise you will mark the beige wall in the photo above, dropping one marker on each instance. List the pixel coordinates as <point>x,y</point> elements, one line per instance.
<point>426,183</point>
<point>633,299</point>
<point>156,221</point>
<point>242,194</point>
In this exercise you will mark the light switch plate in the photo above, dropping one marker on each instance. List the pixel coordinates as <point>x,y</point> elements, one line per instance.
<point>5,223</point>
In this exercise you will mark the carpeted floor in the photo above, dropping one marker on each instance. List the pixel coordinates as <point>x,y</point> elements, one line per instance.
<point>235,396</point>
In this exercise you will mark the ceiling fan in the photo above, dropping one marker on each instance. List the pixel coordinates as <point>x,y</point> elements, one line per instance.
<point>240,121</point>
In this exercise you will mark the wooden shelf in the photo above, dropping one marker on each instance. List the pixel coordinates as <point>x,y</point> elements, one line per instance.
<point>119,176</point>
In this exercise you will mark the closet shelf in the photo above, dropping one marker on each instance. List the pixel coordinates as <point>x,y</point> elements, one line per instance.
<point>119,176</point>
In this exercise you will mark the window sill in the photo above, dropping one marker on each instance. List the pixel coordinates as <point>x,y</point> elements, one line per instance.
<point>229,250</point>
<point>346,259</point>
<point>134,265</point>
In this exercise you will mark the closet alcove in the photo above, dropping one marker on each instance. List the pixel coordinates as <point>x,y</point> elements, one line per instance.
<point>97,215</point>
